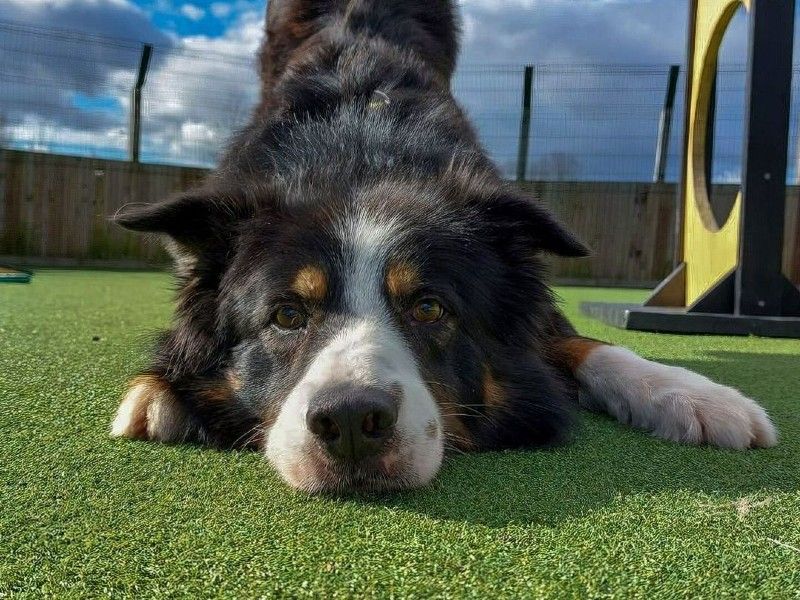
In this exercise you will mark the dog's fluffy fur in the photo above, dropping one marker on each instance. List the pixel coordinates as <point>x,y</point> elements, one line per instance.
<point>357,189</point>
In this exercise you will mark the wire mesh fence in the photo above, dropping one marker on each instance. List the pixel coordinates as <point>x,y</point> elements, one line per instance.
<point>590,140</point>
<point>69,93</point>
<point>588,122</point>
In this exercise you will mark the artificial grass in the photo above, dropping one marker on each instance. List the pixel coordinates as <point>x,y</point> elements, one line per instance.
<point>615,514</point>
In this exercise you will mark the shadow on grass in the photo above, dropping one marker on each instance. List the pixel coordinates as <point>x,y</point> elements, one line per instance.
<point>608,461</point>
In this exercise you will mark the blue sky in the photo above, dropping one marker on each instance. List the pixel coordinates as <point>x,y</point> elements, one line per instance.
<point>195,18</point>
<point>202,82</point>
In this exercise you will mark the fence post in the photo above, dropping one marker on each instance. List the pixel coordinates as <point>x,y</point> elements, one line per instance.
<point>525,124</point>
<point>134,134</point>
<point>664,126</point>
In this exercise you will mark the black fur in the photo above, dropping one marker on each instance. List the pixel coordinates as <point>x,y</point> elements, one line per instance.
<point>356,109</point>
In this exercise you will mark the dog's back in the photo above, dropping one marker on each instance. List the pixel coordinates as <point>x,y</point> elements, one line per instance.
<point>298,31</point>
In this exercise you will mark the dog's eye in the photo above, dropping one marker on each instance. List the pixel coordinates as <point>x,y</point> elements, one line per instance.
<point>288,317</point>
<point>427,310</point>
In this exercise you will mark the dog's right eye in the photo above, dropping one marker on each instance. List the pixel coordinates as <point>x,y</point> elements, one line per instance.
<point>289,317</point>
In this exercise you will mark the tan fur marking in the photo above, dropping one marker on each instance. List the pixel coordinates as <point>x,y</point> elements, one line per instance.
<point>572,351</point>
<point>311,283</point>
<point>402,279</point>
<point>493,393</point>
<point>131,420</point>
<point>233,379</point>
<point>216,394</point>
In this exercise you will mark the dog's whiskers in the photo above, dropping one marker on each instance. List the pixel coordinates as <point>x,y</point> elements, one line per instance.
<point>249,435</point>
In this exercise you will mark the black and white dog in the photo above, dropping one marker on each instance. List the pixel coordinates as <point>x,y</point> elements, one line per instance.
<point>360,290</point>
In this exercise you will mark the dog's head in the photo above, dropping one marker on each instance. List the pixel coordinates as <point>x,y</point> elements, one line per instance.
<point>372,325</point>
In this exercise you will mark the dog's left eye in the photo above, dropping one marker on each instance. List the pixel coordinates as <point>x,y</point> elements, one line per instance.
<point>427,310</point>
<point>289,317</point>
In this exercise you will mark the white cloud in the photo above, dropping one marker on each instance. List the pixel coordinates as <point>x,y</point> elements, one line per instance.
<point>197,132</point>
<point>41,134</point>
<point>728,176</point>
<point>112,18</point>
<point>559,31</point>
<point>241,39</point>
<point>58,4</point>
<point>202,92</point>
<point>201,88</point>
<point>221,9</point>
<point>190,11</point>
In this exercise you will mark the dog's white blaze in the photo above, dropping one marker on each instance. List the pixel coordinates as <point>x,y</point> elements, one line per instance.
<point>671,402</point>
<point>366,244</point>
<point>368,351</point>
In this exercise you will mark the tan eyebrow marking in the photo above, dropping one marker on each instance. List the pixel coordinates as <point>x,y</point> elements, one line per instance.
<point>402,278</point>
<point>311,283</point>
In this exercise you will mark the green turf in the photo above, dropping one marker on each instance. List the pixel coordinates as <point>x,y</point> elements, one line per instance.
<point>617,513</point>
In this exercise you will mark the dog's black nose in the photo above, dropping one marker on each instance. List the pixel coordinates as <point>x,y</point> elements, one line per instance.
<point>353,422</point>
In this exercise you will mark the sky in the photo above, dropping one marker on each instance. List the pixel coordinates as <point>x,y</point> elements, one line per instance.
<point>495,31</point>
<point>591,117</point>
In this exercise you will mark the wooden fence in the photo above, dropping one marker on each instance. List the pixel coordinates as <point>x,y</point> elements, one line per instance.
<point>628,226</point>
<point>54,210</point>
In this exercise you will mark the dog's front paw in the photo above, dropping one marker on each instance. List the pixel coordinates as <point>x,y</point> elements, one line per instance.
<point>671,402</point>
<point>150,411</point>
<point>693,409</point>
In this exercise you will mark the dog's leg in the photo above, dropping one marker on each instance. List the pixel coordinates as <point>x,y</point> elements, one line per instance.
<point>150,410</point>
<point>203,410</point>
<point>671,402</point>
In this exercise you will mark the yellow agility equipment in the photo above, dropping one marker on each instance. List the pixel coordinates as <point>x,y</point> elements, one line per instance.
<point>709,249</point>
<point>729,276</point>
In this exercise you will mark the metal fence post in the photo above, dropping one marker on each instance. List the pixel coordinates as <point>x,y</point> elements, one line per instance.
<point>134,134</point>
<point>525,124</point>
<point>664,126</point>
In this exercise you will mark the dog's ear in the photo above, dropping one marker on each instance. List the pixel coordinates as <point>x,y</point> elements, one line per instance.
<point>519,219</point>
<point>198,220</point>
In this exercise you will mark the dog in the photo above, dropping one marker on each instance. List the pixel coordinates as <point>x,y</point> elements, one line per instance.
<point>360,290</point>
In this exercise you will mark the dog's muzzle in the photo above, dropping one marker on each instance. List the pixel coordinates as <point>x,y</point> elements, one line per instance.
<point>361,418</point>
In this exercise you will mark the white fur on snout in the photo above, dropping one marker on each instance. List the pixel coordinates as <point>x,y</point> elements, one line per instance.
<point>671,402</point>
<point>367,351</point>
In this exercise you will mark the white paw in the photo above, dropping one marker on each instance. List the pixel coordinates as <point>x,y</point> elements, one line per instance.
<point>149,411</point>
<point>672,402</point>
<point>690,408</point>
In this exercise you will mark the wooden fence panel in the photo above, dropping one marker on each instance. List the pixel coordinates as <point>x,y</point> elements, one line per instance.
<point>56,209</point>
<point>628,226</point>
<point>60,206</point>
